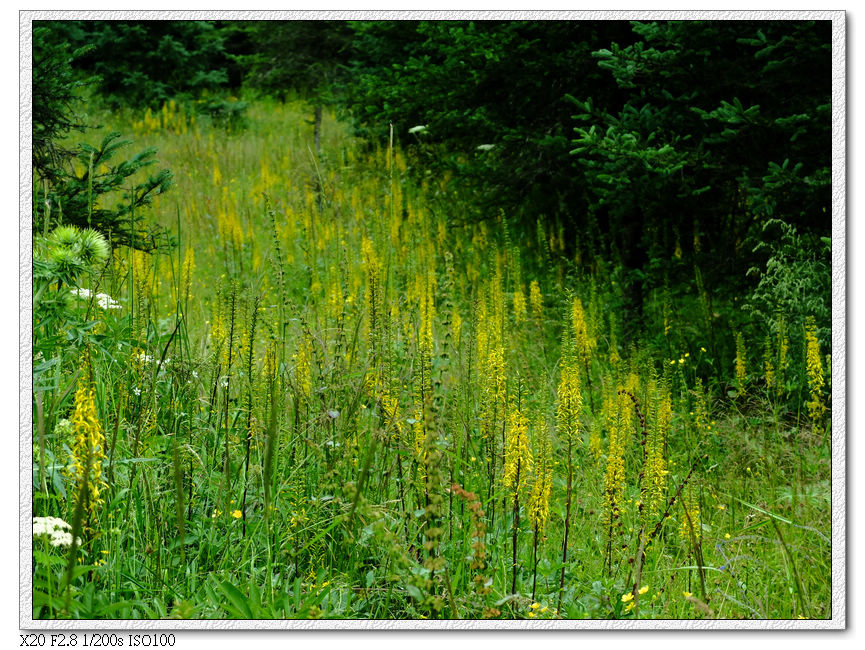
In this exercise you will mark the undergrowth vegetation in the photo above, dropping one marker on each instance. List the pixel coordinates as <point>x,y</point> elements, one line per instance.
<point>338,396</point>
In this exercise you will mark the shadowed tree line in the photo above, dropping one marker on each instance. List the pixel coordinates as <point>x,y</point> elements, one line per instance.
<point>660,153</point>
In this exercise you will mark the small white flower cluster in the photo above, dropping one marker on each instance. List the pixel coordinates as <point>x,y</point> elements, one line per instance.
<point>55,528</point>
<point>146,358</point>
<point>64,429</point>
<point>102,299</point>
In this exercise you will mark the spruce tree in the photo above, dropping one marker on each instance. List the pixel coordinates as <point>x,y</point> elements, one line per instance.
<point>70,193</point>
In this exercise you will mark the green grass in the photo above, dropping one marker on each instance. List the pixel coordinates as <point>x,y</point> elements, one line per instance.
<point>318,484</point>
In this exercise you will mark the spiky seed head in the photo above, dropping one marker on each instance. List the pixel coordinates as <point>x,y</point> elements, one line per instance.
<point>67,261</point>
<point>94,247</point>
<point>65,237</point>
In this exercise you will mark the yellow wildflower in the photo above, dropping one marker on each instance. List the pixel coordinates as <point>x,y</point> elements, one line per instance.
<point>89,444</point>
<point>536,299</point>
<point>518,454</point>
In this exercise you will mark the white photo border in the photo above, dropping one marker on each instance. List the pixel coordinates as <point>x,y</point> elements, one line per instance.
<point>838,621</point>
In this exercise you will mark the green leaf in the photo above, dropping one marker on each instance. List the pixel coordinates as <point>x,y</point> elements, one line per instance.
<point>237,599</point>
<point>414,592</point>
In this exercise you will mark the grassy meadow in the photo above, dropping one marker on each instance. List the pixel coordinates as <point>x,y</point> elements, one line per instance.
<point>342,395</point>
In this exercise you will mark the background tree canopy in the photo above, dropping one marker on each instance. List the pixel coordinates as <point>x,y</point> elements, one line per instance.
<point>662,149</point>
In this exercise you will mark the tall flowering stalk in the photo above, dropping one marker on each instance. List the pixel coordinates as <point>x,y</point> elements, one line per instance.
<point>249,346</point>
<point>230,354</point>
<point>270,375</point>
<point>691,529</point>
<point>142,286</point>
<point>187,270</point>
<point>614,345</point>
<point>519,304</point>
<point>783,359</point>
<point>518,466</point>
<point>570,404</point>
<point>539,499</point>
<point>656,462</point>
<point>425,335</point>
<point>690,524</point>
<point>374,298</point>
<point>769,364</point>
<point>583,339</point>
<point>433,510</point>
<point>542,484</point>
<point>618,424</point>
<point>702,421</point>
<point>303,371</point>
<point>88,448</point>
<point>518,453</point>
<point>741,361</point>
<point>451,320</point>
<point>816,379</point>
<point>536,300</point>
<point>492,374</point>
<point>479,532</point>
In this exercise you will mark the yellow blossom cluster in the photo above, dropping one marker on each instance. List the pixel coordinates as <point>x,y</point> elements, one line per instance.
<point>88,449</point>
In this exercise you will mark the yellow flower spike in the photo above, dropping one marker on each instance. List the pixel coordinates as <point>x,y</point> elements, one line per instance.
<point>89,441</point>
<point>741,363</point>
<point>519,305</point>
<point>816,377</point>
<point>536,300</point>
<point>539,500</point>
<point>518,453</point>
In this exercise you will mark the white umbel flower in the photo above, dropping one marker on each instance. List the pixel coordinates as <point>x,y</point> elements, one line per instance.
<point>104,301</point>
<point>55,529</point>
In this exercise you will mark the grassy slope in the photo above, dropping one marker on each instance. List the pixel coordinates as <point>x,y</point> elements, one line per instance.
<point>382,314</point>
